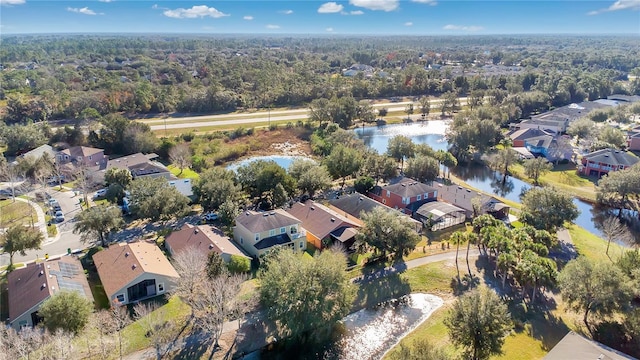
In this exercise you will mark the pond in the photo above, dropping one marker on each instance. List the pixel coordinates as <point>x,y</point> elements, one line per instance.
<point>478,176</point>
<point>368,333</point>
<point>425,132</point>
<point>282,160</point>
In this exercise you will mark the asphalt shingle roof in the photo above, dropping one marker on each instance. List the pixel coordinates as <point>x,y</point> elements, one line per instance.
<point>612,157</point>
<point>258,222</point>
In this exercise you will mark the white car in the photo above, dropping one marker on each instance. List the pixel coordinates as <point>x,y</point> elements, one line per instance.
<point>100,193</point>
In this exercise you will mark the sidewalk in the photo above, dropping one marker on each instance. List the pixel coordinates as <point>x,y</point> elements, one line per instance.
<point>42,223</point>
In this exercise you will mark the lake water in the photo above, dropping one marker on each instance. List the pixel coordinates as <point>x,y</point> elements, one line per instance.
<point>368,333</point>
<point>282,160</point>
<point>478,176</point>
<point>427,132</point>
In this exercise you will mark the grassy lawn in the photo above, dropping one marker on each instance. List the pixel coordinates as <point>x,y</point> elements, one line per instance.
<point>186,173</point>
<point>565,177</point>
<point>12,213</point>
<point>175,311</point>
<point>592,246</point>
<point>206,129</point>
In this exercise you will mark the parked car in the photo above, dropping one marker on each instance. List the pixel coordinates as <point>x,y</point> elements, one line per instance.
<point>59,216</point>
<point>52,202</point>
<point>100,193</point>
<point>210,217</point>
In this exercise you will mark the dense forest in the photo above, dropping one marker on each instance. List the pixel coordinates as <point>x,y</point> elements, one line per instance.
<point>83,77</point>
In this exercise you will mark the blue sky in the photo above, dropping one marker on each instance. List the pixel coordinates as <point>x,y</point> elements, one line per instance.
<point>387,17</point>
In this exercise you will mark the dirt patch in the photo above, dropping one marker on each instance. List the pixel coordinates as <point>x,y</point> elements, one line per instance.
<point>293,141</point>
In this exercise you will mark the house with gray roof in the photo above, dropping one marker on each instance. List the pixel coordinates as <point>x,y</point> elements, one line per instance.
<point>357,204</point>
<point>575,346</point>
<point>603,161</point>
<point>258,232</point>
<point>463,198</point>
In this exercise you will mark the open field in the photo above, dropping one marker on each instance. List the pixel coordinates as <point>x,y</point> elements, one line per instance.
<point>564,177</point>
<point>14,213</point>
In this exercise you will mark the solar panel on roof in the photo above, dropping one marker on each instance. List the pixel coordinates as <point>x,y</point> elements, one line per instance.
<point>68,270</point>
<point>71,286</point>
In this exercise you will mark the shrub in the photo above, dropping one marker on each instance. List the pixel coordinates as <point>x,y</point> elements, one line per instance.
<point>239,264</point>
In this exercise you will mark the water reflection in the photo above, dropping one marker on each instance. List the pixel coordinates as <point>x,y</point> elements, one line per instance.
<point>427,132</point>
<point>282,160</point>
<point>368,333</point>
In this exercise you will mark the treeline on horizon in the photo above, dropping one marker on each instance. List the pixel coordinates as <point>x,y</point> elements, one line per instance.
<point>67,77</point>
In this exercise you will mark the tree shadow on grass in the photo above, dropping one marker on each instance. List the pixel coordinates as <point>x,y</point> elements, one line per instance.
<point>378,290</point>
<point>255,332</point>
<point>538,322</point>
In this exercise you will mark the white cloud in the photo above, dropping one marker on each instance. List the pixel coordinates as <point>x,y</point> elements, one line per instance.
<point>272,26</point>
<point>619,5</point>
<point>248,17</point>
<point>12,2</point>
<point>330,7</point>
<point>356,12</point>
<point>463,28</point>
<point>286,12</point>
<point>85,10</point>
<point>198,11</point>
<point>329,29</point>
<point>384,5</point>
<point>428,2</point>
<point>408,23</point>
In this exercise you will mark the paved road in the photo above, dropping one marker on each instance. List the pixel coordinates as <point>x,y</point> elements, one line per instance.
<point>66,238</point>
<point>280,115</point>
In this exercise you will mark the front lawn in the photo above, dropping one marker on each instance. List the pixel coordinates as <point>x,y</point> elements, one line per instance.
<point>16,213</point>
<point>592,246</point>
<point>186,173</point>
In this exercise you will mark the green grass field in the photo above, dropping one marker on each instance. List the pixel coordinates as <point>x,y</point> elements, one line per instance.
<point>564,177</point>
<point>186,173</point>
<point>16,213</point>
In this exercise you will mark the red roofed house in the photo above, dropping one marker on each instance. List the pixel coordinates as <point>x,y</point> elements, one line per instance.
<point>31,286</point>
<point>131,272</point>
<point>204,238</point>
<point>407,195</point>
<point>602,161</point>
<point>325,226</point>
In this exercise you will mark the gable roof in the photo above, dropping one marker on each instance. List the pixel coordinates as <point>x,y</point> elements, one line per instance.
<point>543,141</point>
<point>527,133</point>
<point>462,197</point>
<point>147,168</point>
<point>257,222</point>
<point>574,346</point>
<point>355,204</point>
<point>83,151</point>
<point>125,162</point>
<point>121,263</point>
<point>318,219</point>
<point>39,151</point>
<point>205,238</point>
<point>35,283</point>
<point>612,157</point>
<point>409,188</point>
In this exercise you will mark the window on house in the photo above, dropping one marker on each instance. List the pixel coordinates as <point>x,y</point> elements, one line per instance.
<point>426,195</point>
<point>241,240</point>
<point>257,237</point>
<point>89,157</point>
<point>388,193</point>
<point>272,232</point>
<point>419,197</point>
<point>120,298</point>
<point>283,230</point>
<point>160,287</point>
<point>301,244</point>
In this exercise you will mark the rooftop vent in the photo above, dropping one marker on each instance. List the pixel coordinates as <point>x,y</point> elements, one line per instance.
<point>44,285</point>
<point>247,213</point>
<point>460,187</point>
<point>126,254</point>
<point>196,231</point>
<point>210,246</point>
<point>272,213</point>
<point>360,198</point>
<point>333,219</point>
<point>265,214</point>
<point>312,208</point>
<point>41,272</point>
<point>134,266</point>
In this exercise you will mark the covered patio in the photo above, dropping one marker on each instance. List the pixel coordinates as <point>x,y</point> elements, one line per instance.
<point>439,215</point>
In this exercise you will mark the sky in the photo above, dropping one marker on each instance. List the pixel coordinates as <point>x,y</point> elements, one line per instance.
<point>351,17</point>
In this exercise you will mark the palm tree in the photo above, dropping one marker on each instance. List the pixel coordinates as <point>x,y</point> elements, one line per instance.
<point>506,261</point>
<point>457,238</point>
<point>471,238</point>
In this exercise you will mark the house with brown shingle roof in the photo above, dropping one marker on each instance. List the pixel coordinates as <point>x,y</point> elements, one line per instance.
<point>258,232</point>
<point>135,271</point>
<point>82,155</point>
<point>31,286</point>
<point>325,226</point>
<point>204,238</point>
<point>603,161</point>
